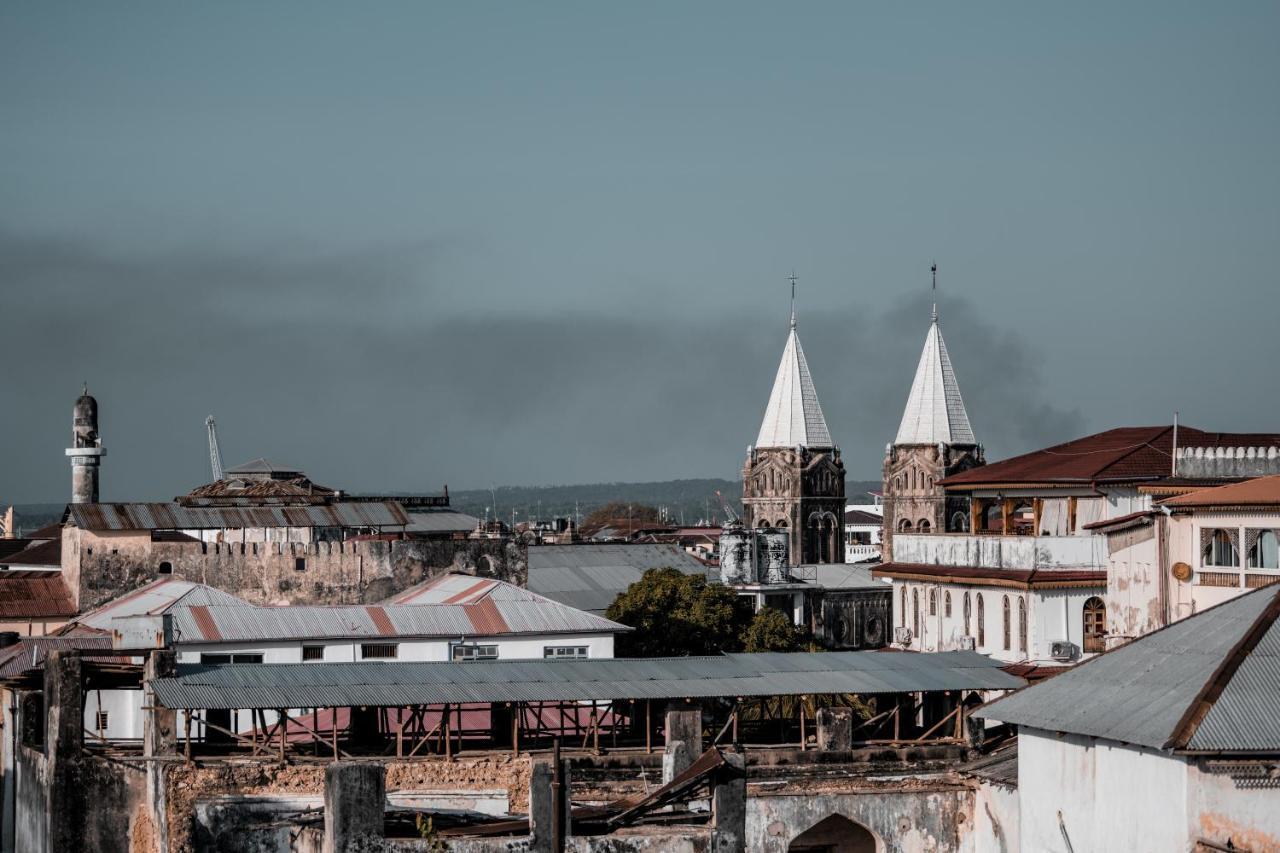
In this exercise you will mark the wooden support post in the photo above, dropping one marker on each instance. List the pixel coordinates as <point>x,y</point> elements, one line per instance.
<point>735,723</point>
<point>648,728</point>
<point>284,719</point>
<point>803,739</point>
<point>976,519</point>
<point>595,729</point>
<point>1006,515</point>
<point>317,740</point>
<point>187,751</point>
<point>1037,511</point>
<point>897,715</point>
<point>1071,514</point>
<point>444,731</point>
<point>335,733</point>
<point>516,714</point>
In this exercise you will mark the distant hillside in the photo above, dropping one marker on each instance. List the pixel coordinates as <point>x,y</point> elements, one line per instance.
<point>685,501</point>
<point>29,517</point>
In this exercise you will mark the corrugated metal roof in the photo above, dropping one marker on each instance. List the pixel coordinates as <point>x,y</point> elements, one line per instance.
<point>30,652</point>
<point>841,576</point>
<point>173,516</point>
<point>393,684</point>
<point>1142,693</point>
<point>590,577</point>
<point>43,554</point>
<point>158,597</point>
<point>441,521</point>
<point>36,594</point>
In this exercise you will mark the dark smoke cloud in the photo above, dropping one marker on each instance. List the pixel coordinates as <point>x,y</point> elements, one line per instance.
<point>355,367</point>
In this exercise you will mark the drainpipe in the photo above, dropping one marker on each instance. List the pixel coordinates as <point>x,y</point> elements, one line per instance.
<point>1162,548</point>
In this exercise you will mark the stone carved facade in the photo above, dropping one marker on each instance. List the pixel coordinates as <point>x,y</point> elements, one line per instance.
<point>799,491</point>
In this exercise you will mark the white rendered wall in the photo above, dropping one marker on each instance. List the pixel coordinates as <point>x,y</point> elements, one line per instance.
<point>1110,797</point>
<point>996,819</point>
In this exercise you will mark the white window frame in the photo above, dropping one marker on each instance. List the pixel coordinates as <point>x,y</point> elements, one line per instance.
<point>467,650</point>
<point>566,652</point>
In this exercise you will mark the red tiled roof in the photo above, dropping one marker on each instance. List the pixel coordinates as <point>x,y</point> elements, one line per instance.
<point>982,576</point>
<point>1263,491</point>
<point>1120,521</point>
<point>1126,454</point>
<point>27,595</point>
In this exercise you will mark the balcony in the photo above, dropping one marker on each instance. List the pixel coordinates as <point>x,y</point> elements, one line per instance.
<point>861,553</point>
<point>994,551</point>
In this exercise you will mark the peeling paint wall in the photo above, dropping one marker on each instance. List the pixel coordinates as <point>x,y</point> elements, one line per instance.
<point>1218,810</point>
<point>904,821</point>
<point>996,827</point>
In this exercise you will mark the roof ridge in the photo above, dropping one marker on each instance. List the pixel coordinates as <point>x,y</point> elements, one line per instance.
<point>1225,671</point>
<point>793,416</point>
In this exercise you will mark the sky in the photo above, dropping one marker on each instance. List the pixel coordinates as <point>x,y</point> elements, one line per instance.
<point>399,245</point>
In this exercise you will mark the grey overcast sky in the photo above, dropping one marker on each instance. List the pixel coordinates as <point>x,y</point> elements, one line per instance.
<point>403,244</point>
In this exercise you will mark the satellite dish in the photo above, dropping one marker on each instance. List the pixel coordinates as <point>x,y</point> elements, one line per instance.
<point>1181,571</point>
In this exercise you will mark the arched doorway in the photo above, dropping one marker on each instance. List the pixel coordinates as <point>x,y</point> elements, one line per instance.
<point>835,834</point>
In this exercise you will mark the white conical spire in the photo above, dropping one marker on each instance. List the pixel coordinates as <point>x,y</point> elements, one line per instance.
<point>935,411</point>
<point>793,417</point>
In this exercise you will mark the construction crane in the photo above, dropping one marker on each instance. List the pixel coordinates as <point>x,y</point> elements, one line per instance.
<point>215,458</point>
<point>730,516</point>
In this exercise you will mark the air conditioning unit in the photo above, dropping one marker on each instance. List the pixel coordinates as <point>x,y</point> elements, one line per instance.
<point>902,636</point>
<point>1062,650</point>
<point>968,644</point>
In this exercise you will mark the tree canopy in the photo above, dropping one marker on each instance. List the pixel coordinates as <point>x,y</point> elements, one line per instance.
<point>675,614</point>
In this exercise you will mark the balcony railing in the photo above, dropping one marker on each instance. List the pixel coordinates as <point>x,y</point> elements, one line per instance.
<point>993,551</point>
<point>861,553</point>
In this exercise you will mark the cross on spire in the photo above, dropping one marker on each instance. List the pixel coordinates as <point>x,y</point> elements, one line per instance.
<point>934,316</point>
<point>792,279</point>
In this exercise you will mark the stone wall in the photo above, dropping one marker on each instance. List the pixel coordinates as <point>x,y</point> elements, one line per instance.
<point>109,565</point>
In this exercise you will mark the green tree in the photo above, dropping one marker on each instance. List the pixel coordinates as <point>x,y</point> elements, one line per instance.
<point>675,614</point>
<point>771,630</point>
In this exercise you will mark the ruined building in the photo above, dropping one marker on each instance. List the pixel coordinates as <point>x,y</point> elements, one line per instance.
<point>934,441</point>
<point>793,479</point>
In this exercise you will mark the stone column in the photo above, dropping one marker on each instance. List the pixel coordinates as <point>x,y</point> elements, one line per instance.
<point>729,806</point>
<point>354,798</point>
<point>64,741</point>
<point>835,729</point>
<point>159,725</point>
<point>684,738</point>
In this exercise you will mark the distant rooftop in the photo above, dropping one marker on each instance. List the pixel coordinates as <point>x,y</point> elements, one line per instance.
<point>591,576</point>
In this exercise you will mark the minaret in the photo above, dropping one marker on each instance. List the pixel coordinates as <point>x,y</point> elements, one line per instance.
<point>86,450</point>
<point>934,441</point>
<point>793,479</point>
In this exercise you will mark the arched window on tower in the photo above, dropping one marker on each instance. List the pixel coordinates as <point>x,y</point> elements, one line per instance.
<point>933,602</point>
<point>968,613</point>
<point>904,605</point>
<point>946,604</point>
<point>960,522</point>
<point>904,526</point>
<point>915,612</point>
<point>923,525</point>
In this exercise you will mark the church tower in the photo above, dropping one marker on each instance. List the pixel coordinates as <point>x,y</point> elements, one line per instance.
<point>793,479</point>
<point>934,441</point>
<point>86,450</point>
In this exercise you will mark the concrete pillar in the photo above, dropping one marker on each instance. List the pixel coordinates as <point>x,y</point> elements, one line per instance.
<point>835,729</point>
<point>542,804</point>
<point>729,806</point>
<point>354,798</point>
<point>684,738</point>
<point>64,741</point>
<point>159,725</point>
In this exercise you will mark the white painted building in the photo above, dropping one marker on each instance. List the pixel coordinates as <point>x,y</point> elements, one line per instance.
<point>450,617</point>
<point>863,530</point>
<point>1191,552</point>
<point>1167,743</point>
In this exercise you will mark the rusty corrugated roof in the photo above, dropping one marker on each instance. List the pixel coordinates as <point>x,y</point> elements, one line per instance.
<point>1261,491</point>
<point>29,595</point>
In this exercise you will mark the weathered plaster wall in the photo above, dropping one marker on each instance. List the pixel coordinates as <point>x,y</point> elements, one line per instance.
<point>1218,811</point>
<point>995,819</point>
<point>106,565</point>
<point>31,829</point>
<point>1110,797</point>
<point>904,821</point>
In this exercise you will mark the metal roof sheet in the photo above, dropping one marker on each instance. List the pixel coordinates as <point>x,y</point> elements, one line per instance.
<point>441,521</point>
<point>590,576</point>
<point>398,683</point>
<point>174,516</point>
<point>34,594</point>
<point>1141,693</point>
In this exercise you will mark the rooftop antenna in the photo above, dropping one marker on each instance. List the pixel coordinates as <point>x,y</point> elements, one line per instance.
<point>792,279</point>
<point>1173,469</point>
<point>934,316</point>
